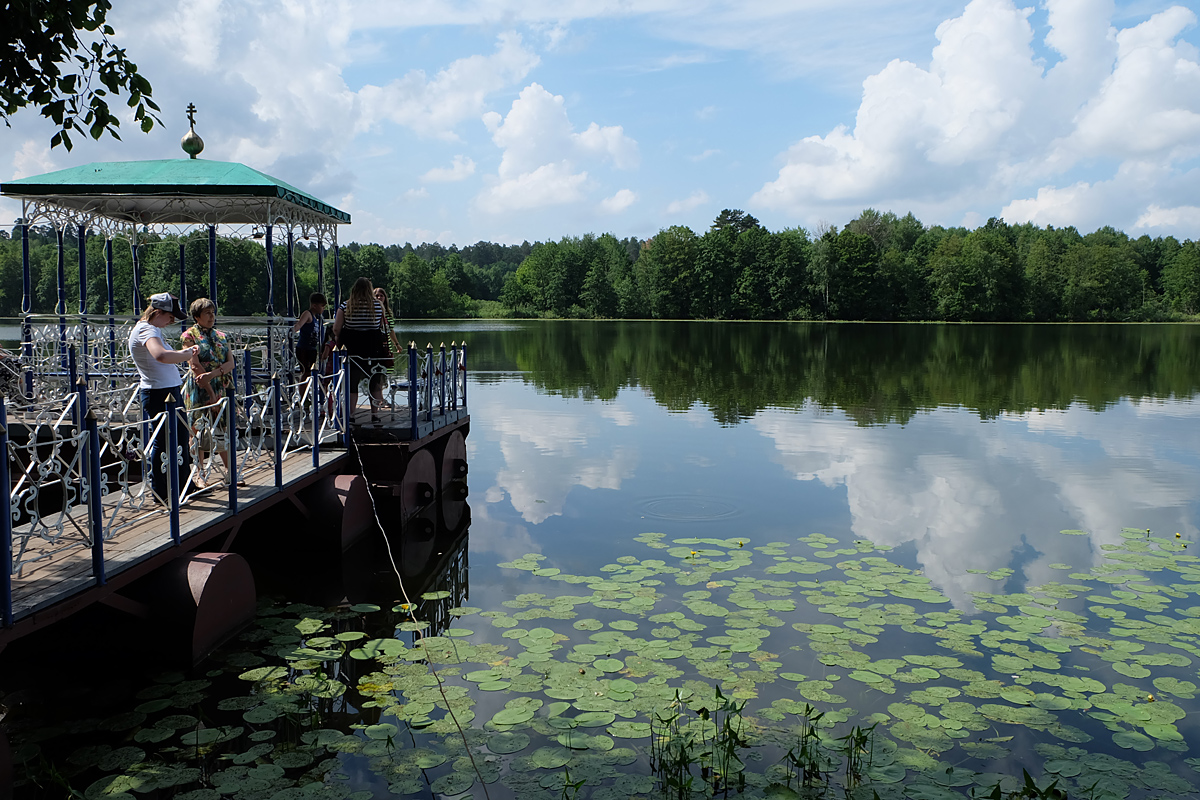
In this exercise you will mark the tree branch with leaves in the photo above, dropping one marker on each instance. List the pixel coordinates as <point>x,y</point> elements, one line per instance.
<point>58,55</point>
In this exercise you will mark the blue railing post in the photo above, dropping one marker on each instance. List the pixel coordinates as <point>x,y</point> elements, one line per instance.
<point>212,263</point>
<point>95,488</point>
<point>6,544</point>
<point>173,467</point>
<point>347,411</point>
<point>412,388</point>
<point>442,380</point>
<point>72,373</point>
<point>314,384</point>
<point>60,307</point>
<point>277,413</point>
<point>183,326</point>
<point>248,380</point>
<point>81,241</point>
<point>462,367</point>
<point>428,382</point>
<point>113,360</point>
<point>231,409</point>
<point>26,309</point>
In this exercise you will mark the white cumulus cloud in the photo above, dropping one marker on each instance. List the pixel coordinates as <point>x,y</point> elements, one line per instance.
<point>986,119</point>
<point>461,168</point>
<point>541,150</point>
<point>620,201</point>
<point>692,201</point>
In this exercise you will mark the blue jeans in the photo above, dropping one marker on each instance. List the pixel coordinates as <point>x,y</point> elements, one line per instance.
<point>154,402</point>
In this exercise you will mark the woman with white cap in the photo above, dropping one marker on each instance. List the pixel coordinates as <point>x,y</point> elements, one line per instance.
<point>160,379</point>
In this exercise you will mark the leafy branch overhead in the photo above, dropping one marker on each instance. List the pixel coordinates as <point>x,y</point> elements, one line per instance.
<point>58,55</point>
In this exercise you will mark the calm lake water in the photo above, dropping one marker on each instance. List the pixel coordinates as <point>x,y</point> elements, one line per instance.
<point>973,537</point>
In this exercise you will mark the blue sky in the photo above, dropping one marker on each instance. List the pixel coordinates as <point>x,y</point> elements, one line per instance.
<point>506,120</point>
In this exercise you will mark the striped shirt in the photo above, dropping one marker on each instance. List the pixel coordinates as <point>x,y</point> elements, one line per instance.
<point>362,319</point>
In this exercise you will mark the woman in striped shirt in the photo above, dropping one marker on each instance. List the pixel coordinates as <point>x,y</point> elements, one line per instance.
<point>358,326</point>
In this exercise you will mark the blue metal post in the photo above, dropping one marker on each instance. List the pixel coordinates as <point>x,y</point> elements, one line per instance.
<point>248,380</point>
<point>81,241</point>
<point>277,413</point>
<point>95,481</point>
<point>26,309</point>
<point>72,373</point>
<point>290,291</point>
<point>183,325</point>
<point>412,388</point>
<point>60,307</point>
<point>233,437</point>
<point>270,359</point>
<point>6,544</point>
<point>442,379</point>
<point>454,376</point>
<point>314,390</point>
<point>137,275</point>
<point>321,267</point>
<point>81,237</point>
<point>270,275</point>
<point>337,277</point>
<point>112,310</point>
<point>429,382</point>
<point>347,411</point>
<point>173,466</point>
<point>212,262</point>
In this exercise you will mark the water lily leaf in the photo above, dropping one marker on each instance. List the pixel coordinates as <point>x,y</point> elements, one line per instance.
<point>381,731</point>
<point>453,783</point>
<point>508,742</point>
<point>1133,740</point>
<point>378,648</point>
<point>550,757</point>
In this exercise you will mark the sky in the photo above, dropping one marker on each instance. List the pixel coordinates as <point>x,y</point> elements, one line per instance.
<point>458,121</point>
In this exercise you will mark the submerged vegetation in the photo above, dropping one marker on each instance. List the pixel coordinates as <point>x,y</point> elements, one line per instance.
<point>704,667</point>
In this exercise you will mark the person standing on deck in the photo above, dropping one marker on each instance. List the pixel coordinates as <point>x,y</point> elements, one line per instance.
<point>156,363</point>
<point>358,327</point>
<point>306,326</point>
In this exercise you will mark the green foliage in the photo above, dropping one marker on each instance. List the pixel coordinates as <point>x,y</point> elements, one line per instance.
<point>69,77</point>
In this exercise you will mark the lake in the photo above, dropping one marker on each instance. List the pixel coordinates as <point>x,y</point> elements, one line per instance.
<point>911,560</point>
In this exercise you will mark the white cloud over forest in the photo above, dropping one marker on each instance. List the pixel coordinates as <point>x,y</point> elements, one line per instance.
<point>987,117</point>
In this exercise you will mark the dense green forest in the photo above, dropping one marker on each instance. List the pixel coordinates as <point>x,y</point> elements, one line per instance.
<point>877,267</point>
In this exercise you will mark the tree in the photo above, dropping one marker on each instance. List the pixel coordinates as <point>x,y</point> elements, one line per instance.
<point>734,221</point>
<point>46,63</point>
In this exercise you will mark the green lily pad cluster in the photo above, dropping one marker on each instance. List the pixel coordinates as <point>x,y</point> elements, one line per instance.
<point>1090,680</point>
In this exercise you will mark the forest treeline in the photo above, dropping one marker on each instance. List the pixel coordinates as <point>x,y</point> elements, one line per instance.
<point>879,266</point>
<point>874,373</point>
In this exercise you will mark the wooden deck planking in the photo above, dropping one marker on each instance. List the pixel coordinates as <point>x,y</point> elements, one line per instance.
<point>70,572</point>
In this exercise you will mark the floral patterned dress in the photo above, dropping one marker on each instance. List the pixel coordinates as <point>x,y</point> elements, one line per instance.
<point>214,351</point>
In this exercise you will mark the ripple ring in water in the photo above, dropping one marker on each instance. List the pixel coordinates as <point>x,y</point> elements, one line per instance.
<point>688,508</point>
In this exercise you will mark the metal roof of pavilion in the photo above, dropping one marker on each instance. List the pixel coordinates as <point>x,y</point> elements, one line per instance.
<point>175,191</point>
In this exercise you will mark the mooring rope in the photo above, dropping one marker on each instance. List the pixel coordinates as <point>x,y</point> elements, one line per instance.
<point>409,606</point>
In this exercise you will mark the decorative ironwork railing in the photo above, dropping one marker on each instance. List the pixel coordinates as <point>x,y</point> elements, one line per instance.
<point>78,453</point>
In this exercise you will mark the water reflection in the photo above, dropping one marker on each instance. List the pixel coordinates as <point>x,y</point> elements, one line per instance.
<point>966,447</point>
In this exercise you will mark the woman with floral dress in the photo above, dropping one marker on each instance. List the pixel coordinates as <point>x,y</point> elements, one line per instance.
<point>210,376</point>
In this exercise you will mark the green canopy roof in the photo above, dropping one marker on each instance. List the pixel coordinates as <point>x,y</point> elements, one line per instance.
<point>182,190</point>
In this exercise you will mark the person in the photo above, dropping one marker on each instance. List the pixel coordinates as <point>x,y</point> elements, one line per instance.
<point>306,326</point>
<point>358,326</point>
<point>390,342</point>
<point>157,366</point>
<point>210,376</point>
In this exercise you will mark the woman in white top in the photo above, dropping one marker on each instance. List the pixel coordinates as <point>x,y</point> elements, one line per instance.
<point>160,379</point>
<point>358,326</point>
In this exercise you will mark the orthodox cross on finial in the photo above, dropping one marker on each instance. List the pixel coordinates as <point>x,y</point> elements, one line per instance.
<point>191,143</point>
